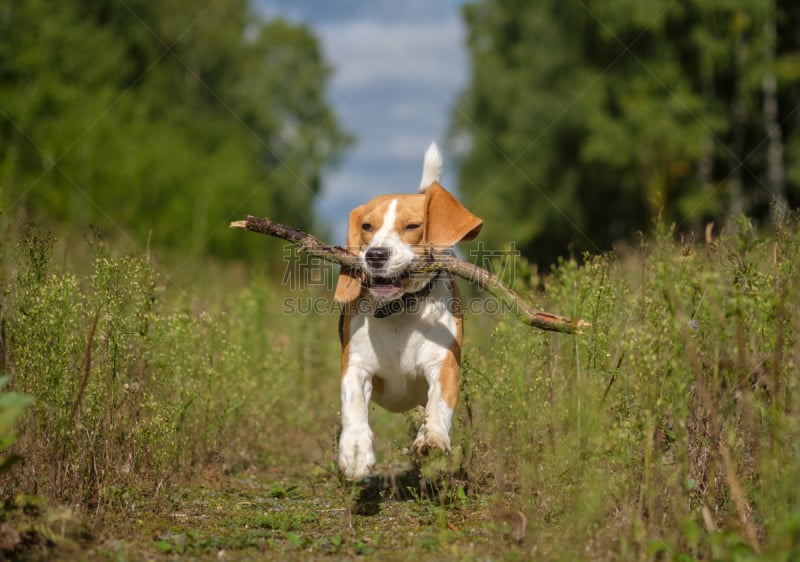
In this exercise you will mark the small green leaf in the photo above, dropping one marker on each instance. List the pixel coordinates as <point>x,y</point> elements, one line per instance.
<point>295,539</point>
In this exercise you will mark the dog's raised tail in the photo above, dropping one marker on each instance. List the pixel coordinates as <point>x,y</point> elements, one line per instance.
<point>431,168</point>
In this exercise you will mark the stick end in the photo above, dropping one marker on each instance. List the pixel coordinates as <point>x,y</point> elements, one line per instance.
<point>239,224</point>
<point>581,325</point>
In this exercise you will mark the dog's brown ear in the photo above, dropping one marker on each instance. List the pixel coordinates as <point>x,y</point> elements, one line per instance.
<point>446,220</point>
<point>349,285</point>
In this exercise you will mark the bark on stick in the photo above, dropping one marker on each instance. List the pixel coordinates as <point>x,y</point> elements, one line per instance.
<point>434,261</point>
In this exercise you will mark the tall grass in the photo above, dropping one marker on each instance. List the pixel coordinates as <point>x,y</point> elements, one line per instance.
<point>668,431</point>
<point>671,429</point>
<point>137,384</point>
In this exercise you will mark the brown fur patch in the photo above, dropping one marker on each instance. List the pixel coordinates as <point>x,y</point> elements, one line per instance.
<point>344,335</point>
<point>449,375</point>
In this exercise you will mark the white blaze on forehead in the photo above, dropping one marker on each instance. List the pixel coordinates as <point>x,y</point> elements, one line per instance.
<point>388,224</point>
<point>388,236</point>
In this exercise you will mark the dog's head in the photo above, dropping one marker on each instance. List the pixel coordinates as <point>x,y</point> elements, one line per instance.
<point>389,231</point>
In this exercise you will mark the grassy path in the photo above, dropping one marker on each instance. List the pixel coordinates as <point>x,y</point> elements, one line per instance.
<point>298,511</point>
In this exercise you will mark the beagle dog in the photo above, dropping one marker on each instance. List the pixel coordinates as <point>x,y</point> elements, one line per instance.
<point>400,330</point>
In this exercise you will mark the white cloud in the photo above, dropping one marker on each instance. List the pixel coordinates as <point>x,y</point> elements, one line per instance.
<point>395,82</point>
<point>365,52</point>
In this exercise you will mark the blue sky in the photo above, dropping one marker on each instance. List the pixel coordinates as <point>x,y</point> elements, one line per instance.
<point>398,68</point>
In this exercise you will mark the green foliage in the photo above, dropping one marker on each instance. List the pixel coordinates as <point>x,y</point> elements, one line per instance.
<point>668,431</point>
<point>587,121</point>
<point>133,389</point>
<point>670,428</point>
<point>12,405</point>
<point>160,118</point>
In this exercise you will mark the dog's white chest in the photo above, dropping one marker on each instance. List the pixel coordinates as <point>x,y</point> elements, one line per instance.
<point>400,347</point>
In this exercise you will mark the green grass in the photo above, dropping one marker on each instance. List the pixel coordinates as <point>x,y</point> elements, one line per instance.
<point>189,420</point>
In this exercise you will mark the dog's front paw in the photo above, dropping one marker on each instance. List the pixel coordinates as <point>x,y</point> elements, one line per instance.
<point>356,457</point>
<point>429,439</point>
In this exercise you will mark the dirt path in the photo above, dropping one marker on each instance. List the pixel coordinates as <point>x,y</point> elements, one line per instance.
<point>302,511</point>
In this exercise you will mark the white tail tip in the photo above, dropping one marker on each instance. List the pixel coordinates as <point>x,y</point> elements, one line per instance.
<point>431,168</point>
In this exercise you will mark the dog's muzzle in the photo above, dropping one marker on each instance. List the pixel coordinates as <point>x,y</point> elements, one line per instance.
<point>382,287</point>
<point>377,257</point>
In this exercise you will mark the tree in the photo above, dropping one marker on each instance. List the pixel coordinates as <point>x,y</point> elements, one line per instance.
<point>160,118</point>
<point>587,120</point>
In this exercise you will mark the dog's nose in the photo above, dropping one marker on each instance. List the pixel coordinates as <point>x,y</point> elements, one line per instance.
<point>377,257</point>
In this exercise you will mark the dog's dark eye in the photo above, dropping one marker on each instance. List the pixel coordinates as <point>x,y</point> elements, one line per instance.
<point>367,227</point>
<point>412,226</point>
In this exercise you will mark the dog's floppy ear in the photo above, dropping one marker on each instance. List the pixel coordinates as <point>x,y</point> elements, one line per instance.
<point>446,220</point>
<point>349,285</point>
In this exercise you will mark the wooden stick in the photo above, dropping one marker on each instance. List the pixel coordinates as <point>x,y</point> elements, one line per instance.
<point>436,261</point>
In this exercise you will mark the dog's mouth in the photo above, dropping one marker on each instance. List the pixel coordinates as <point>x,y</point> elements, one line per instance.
<point>387,288</point>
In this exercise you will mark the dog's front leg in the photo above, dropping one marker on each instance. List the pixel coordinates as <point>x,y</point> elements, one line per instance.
<point>356,457</point>
<point>442,396</point>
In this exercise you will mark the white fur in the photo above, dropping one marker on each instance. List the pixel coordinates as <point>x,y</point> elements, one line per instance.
<point>406,351</point>
<point>431,168</point>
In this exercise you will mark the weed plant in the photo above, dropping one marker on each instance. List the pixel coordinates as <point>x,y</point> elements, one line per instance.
<point>136,385</point>
<point>668,431</point>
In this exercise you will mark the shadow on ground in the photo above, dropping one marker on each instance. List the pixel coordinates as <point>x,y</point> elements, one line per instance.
<point>407,484</point>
